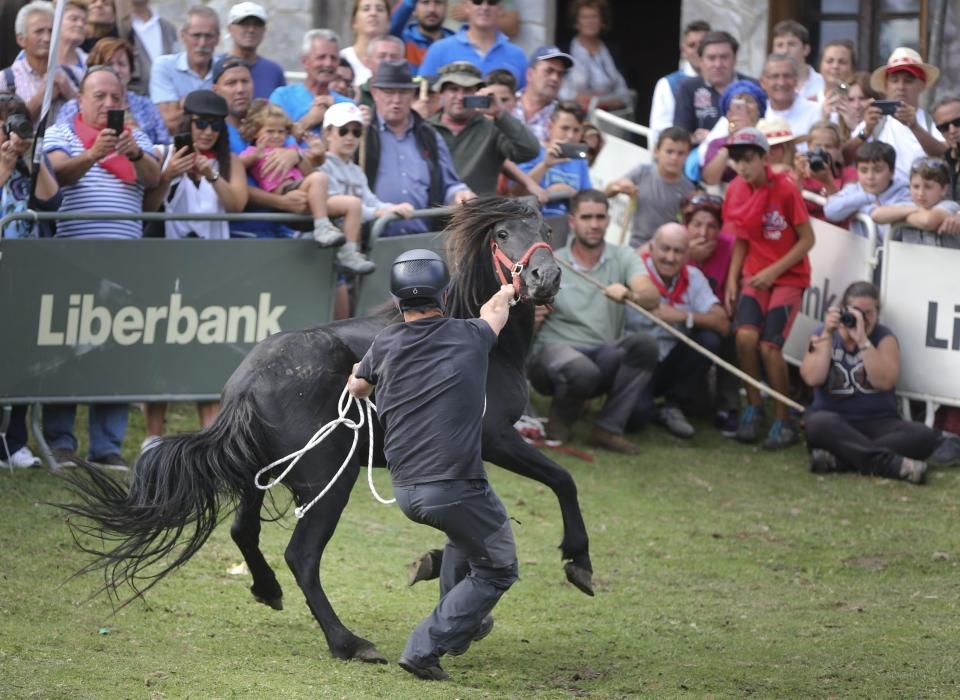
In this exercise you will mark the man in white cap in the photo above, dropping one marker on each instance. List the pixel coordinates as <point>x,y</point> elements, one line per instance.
<point>247,27</point>
<point>908,129</point>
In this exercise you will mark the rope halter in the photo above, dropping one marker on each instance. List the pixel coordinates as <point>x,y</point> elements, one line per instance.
<point>501,261</point>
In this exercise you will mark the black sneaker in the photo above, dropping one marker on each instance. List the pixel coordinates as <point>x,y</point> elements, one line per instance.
<point>426,673</point>
<point>483,631</point>
<point>947,453</point>
<point>114,462</point>
<point>726,423</point>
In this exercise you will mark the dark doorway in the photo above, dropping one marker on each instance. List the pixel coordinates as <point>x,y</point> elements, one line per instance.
<point>644,40</point>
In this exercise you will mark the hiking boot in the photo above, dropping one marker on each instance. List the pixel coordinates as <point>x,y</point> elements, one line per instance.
<point>751,423</point>
<point>672,418</point>
<point>947,453</point>
<point>328,235</point>
<point>64,457</point>
<point>822,461</point>
<point>426,673</point>
<point>913,470</point>
<point>22,459</point>
<point>783,433</point>
<point>615,442</point>
<point>350,258</point>
<point>483,631</point>
<point>114,462</point>
<point>726,423</point>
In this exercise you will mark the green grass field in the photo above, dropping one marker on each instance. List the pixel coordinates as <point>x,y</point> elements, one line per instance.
<point>721,571</point>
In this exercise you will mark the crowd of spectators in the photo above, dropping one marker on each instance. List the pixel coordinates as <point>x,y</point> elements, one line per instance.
<point>413,114</point>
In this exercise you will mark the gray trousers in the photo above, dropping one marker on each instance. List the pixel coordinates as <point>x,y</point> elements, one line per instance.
<point>479,561</point>
<point>572,374</point>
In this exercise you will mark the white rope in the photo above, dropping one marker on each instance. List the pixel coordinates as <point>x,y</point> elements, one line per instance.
<point>365,407</point>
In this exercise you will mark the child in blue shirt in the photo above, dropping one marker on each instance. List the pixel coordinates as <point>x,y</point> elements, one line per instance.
<point>554,172</point>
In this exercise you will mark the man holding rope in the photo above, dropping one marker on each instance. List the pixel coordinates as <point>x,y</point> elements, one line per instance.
<point>580,351</point>
<point>430,373</point>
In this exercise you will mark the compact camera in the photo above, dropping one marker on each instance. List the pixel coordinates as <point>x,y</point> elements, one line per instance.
<point>819,159</point>
<point>848,319</point>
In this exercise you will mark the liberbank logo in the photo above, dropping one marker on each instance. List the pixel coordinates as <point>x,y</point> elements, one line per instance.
<point>174,324</point>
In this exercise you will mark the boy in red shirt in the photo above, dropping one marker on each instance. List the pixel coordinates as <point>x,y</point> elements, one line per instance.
<point>769,269</point>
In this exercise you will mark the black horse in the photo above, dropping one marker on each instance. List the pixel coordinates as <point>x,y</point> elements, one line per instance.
<point>285,388</point>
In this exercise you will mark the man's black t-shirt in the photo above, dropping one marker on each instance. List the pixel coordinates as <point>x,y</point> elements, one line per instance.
<point>431,379</point>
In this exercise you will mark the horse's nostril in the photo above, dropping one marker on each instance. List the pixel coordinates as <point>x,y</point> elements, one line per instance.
<point>535,273</point>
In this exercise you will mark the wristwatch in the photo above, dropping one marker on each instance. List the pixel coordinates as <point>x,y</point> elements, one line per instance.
<point>138,156</point>
<point>213,178</point>
<point>690,320</point>
<point>862,135</point>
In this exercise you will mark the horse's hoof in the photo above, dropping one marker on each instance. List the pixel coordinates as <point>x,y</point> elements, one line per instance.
<point>369,654</point>
<point>579,577</point>
<point>423,568</point>
<point>275,603</point>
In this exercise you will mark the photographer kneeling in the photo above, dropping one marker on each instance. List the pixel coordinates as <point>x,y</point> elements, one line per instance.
<point>853,363</point>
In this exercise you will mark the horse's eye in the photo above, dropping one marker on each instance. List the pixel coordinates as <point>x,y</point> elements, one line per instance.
<point>502,234</point>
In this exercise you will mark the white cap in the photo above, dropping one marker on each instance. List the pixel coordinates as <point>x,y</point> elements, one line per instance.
<point>342,113</point>
<point>241,11</point>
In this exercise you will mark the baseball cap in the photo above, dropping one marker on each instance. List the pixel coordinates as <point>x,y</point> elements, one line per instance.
<point>241,11</point>
<point>749,137</point>
<point>462,73</point>
<point>225,63</point>
<point>342,113</point>
<point>546,53</point>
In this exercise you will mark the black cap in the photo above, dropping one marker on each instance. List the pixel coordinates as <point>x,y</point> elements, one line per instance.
<point>205,102</point>
<point>393,75</point>
<point>225,63</point>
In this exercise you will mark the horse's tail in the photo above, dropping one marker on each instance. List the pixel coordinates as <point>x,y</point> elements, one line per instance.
<point>179,486</point>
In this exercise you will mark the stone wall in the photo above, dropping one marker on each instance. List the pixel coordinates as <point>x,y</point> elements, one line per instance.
<point>289,20</point>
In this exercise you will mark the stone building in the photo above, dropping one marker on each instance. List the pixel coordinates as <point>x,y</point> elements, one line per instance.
<point>645,35</point>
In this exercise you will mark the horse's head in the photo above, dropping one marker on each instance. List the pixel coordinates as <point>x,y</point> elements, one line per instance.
<point>493,241</point>
<point>523,257</point>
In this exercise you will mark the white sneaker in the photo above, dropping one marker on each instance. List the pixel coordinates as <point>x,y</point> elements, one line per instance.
<point>328,235</point>
<point>352,259</point>
<point>22,459</point>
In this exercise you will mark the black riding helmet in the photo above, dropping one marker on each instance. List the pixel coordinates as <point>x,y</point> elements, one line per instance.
<point>419,278</point>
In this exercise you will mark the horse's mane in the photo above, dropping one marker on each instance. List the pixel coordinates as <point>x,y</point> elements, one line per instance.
<point>468,254</point>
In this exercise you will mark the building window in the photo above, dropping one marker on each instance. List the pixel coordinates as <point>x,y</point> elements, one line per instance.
<point>877,26</point>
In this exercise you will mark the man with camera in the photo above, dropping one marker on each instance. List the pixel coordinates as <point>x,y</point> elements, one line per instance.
<point>16,137</point>
<point>478,132</point>
<point>899,120</point>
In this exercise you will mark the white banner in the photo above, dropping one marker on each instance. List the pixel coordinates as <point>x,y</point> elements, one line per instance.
<point>838,259</point>
<point>921,304</point>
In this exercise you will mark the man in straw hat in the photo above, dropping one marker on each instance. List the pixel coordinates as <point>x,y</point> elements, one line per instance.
<point>908,129</point>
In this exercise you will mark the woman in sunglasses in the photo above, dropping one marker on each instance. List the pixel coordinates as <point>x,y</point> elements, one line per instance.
<point>200,174</point>
<point>117,55</point>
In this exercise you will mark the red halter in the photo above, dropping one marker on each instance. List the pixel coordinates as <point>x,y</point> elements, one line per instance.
<point>500,261</point>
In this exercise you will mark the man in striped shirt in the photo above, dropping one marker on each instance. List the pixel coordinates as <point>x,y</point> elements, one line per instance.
<point>98,169</point>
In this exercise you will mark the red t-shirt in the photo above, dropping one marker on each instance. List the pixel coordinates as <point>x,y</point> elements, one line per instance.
<point>766,217</point>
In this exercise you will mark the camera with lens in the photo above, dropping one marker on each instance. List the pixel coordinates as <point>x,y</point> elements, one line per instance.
<point>819,159</point>
<point>20,125</point>
<point>848,319</point>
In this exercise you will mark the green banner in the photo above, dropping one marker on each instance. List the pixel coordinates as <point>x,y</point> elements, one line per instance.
<point>149,319</point>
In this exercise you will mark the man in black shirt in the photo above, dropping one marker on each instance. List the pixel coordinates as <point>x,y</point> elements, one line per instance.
<point>430,373</point>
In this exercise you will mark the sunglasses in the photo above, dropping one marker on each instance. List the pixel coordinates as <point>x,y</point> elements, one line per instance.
<point>946,125</point>
<point>202,123</point>
<point>357,131</point>
<point>704,198</point>
<point>489,2</point>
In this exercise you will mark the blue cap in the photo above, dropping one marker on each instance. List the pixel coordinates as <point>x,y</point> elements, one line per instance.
<point>547,53</point>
